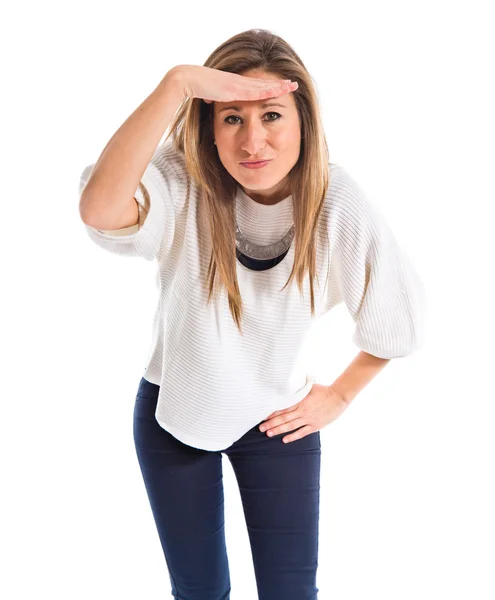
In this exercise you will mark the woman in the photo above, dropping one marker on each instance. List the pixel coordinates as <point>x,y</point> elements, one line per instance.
<point>225,361</point>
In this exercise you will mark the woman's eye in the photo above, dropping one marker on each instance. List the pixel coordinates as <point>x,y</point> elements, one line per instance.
<point>236,117</point>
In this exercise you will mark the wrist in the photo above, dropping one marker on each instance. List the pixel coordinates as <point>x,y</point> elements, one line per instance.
<point>174,81</point>
<point>341,392</point>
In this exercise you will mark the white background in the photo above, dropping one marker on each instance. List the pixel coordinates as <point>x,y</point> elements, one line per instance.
<point>407,484</point>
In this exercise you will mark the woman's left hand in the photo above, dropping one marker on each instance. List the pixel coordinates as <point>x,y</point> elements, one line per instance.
<point>316,410</point>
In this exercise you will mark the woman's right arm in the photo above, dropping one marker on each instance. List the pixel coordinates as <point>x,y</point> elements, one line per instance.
<point>107,201</point>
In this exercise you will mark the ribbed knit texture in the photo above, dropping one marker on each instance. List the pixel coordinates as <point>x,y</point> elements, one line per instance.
<point>216,384</point>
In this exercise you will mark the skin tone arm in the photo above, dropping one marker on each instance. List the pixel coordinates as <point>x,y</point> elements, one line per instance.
<point>107,200</point>
<point>324,403</point>
<point>358,374</point>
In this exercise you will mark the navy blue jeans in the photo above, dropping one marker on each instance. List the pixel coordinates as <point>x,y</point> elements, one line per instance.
<point>280,491</point>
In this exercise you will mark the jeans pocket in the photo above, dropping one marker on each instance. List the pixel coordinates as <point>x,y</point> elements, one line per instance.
<point>140,398</point>
<point>145,407</point>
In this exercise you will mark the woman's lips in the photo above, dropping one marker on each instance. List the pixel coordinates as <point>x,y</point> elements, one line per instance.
<point>255,165</point>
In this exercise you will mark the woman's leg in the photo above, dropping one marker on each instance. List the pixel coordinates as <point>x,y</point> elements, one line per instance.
<point>280,491</point>
<point>185,490</point>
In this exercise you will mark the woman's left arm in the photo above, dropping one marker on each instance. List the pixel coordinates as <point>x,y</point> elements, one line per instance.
<point>358,374</point>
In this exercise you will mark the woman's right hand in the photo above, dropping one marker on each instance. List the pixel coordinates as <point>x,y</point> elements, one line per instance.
<point>220,86</point>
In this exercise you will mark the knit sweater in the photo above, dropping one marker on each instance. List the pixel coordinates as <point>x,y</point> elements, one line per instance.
<point>216,384</point>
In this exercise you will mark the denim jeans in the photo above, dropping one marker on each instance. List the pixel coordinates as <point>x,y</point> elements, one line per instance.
<point>280,491</point>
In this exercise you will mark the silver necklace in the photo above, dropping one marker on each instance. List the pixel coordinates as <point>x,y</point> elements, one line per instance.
<point>263,252</point>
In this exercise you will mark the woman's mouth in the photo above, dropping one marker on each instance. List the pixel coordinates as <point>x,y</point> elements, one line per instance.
<point>255,165</point>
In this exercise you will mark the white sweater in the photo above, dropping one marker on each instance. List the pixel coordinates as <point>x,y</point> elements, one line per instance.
<point>216,384</point>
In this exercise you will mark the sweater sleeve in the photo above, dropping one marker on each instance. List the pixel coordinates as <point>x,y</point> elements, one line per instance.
<point>157,193</point>
<point>372,275</point>
<point>142,211</point>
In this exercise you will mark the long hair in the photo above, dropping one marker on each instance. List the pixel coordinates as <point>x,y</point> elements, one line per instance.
<point>192,134</point>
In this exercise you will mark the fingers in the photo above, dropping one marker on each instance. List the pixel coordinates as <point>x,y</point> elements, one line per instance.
<point>267,88</point>
<point>285,88</point>
<point>282,85</point>
<point>292,86</point>
<point>274,91</point>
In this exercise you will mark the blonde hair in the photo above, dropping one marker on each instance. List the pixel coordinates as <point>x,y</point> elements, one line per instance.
<point>192,134</point>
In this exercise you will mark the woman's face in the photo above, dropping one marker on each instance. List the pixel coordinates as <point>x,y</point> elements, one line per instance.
<point>252,131</point>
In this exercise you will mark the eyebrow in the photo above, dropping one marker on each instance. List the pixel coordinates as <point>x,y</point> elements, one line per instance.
<point>262,106</point>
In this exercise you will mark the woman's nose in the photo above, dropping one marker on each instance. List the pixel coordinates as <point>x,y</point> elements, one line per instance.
<point>254,142</point>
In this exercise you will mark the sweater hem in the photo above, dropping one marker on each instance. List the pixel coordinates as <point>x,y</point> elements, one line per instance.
<point>210,446</point>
